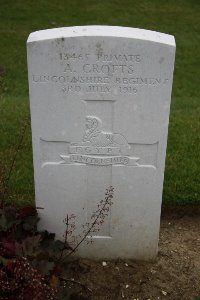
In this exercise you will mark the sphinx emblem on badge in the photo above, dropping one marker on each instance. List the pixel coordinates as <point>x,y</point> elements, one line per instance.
<point>100,147</point>
<point>99,138</point>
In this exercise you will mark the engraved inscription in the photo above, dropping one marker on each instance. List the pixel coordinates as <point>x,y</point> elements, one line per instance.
<point>74,148</point>
<point>100,161</point>
<point>104,73</point>
<point>98,84</point>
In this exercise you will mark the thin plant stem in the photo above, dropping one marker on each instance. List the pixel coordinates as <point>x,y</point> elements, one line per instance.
<point>89,230</point>
<point>66,236</point>
<point>75,282</point>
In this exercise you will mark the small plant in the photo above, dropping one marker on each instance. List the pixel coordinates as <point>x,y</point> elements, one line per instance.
<point>31,261</point>
<point>25,261</point>
<point>89,228</point>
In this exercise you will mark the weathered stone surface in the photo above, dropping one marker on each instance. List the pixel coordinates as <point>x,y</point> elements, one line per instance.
<point>100,101</point>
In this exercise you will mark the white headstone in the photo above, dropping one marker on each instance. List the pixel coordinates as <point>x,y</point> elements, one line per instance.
<point>100,101</point>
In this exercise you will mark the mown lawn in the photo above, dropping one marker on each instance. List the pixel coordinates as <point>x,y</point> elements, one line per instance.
<point>181,18</point>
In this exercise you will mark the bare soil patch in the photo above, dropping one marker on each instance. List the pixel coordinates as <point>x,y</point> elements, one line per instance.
<point>175,275</point>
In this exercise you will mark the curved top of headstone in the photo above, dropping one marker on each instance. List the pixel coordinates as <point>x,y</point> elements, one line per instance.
<point>98,30</point>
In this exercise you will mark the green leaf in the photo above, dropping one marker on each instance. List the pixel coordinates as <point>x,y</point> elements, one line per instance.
<point>30,247</point>
<point>30,223</point>
<point>46,238</point>
<point>4,260</point>
<point>48,243</point>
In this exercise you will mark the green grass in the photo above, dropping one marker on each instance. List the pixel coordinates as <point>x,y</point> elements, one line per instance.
<point>181,18</point>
